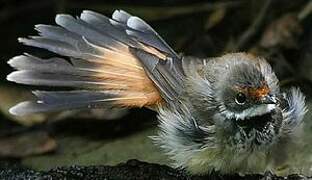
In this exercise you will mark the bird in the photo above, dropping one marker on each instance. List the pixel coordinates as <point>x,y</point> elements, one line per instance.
<point>225,114</point>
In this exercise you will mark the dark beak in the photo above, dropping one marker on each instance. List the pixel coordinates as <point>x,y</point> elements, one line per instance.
<point>269,99</point>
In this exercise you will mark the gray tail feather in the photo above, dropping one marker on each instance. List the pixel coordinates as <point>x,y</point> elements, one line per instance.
<point>60,100</point>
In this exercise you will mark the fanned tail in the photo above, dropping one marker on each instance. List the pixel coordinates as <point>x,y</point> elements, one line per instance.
<point>105,66</point>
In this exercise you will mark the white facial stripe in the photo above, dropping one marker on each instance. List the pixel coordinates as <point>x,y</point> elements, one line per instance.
<point>251,112</point>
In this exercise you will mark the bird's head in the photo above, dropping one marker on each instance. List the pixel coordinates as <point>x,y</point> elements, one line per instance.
<point>247,93</point>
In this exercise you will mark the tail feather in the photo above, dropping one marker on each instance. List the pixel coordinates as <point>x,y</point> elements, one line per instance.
<point>102,67</point>
<point>32,63</point>
<point>106,26</point>
<point>53,101</point>
<point>57,33</point>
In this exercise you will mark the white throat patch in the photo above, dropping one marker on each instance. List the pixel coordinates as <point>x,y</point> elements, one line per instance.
<point>250,112</point>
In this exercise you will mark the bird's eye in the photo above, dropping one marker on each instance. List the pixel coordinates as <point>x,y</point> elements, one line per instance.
<point>240,98</point>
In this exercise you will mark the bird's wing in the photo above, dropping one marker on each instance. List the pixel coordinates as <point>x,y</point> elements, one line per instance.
<point>120,61</point>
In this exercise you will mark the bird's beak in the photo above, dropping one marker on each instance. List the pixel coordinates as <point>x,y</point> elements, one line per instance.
<point>269,99</point>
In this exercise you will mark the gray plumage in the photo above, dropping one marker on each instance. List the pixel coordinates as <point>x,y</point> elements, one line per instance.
<point>222,114</point>
<point>60,100</point>
<point>229,138</point>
